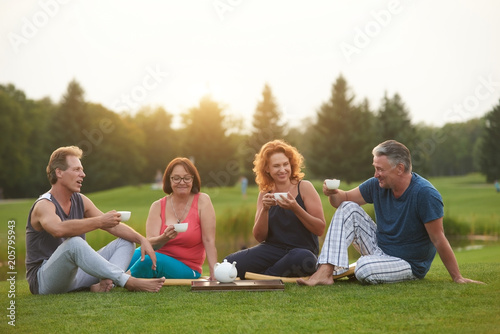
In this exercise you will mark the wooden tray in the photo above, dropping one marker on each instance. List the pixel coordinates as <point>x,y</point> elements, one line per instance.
<point>243,285</point>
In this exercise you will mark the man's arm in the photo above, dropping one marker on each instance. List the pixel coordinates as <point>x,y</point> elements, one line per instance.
<point>121,230</point>
<point>44,217</point>
<point>337,196</point>
<point>436,233</point>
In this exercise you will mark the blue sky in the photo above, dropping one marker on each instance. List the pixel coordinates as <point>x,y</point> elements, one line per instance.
<point>442,57</point>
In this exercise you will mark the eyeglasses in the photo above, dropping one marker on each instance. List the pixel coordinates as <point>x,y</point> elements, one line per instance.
<point>186,179</point>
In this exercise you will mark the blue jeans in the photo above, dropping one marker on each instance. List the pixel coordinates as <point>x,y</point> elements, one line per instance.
<point>273,260</point>
<point>166,266</point>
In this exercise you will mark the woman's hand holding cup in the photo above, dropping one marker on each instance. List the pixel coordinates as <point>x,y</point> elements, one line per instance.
<point>170,232</point>
<point>268,201</point>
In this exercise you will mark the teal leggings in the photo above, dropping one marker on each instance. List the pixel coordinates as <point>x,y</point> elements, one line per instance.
<point>166,266</point>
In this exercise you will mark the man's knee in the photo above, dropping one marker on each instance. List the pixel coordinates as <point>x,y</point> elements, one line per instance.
<point>349,206</point>
<point>75,243</point>
<point>74,247</point>
<point>373,270</point>
<point>364,271</point>
<point>125,244</point>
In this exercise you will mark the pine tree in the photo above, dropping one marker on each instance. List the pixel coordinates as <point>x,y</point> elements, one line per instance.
<point>490,148</point>
<point>267,125</point>
<point>208,145</point>
<point>267,122</point>
<point>395,122</point>
<point>71,119</point>
<point>161,143</point>
<point>342,137</point>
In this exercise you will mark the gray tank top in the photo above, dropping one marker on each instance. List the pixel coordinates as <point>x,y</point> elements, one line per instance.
<point>40,244</point>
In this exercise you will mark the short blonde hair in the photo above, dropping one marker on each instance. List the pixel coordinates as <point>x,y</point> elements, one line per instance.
<point>261,162</point>
<point>58,160</point>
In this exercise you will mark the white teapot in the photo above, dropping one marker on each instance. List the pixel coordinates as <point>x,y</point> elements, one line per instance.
<point>225,272</point>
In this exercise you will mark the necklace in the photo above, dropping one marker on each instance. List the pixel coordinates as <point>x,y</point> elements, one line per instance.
<point>175,213</point>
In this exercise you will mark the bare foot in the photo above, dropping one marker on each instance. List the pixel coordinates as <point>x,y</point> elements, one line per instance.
<point>323,276</point>
<point>144,284</point>
<point>103,286</point>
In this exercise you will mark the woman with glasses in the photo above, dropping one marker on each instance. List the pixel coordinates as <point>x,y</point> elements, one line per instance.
<point>179,254</point>
<point>287,227</point>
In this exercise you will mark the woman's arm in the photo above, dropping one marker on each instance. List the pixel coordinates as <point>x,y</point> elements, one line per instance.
<point>260,227</point>
<point>312,217</point>
<point>153,227</point>
<point>208,222</point>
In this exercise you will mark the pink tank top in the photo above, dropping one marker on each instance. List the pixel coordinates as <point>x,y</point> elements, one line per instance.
<point>187,247</point>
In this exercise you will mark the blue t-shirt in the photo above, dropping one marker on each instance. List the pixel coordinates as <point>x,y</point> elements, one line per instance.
<point>400,221</point>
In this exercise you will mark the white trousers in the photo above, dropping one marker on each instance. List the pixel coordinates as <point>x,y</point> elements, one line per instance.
<point>75,265</point>
<point>352,225</point>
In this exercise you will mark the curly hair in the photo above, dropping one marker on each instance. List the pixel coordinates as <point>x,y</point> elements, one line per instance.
<point>261,162</point>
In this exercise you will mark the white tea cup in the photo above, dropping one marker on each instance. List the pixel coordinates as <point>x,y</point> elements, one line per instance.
<point>332,184</point>
<point>125,215</point>
<point>278,196</point>
<point>181,227</point>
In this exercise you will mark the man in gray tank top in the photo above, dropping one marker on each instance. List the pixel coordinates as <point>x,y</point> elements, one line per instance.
<point>58,259</point>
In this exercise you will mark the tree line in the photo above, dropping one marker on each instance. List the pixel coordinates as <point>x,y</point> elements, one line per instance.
<point>125,148</point>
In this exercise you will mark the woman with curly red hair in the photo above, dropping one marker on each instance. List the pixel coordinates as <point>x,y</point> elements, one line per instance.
<point>286,228</point>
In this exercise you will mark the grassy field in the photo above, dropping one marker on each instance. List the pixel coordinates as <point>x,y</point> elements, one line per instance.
<point>432,305</point>
<point>471,207</point>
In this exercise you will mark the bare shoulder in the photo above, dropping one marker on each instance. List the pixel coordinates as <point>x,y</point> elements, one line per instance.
<point>204,199</point>
<point>43,211</point>
<point>43,206</point>
<point>306,187</point>
<point>306,184</point>
<point>156,203</point>
<point>155,206</point>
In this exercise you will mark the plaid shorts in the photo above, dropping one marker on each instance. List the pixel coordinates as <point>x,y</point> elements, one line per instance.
<point>352,225</point>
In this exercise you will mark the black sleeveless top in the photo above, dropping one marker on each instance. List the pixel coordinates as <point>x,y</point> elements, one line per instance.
<point>287,231</point>
<point>40,245</point>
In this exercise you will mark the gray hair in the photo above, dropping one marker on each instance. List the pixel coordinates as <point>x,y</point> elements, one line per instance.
<point>395,152</point>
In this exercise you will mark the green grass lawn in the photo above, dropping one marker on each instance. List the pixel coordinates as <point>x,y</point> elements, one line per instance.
<point>432,305</point>
<point>470,204</point>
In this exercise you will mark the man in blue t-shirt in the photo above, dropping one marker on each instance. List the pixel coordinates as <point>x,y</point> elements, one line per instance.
<point>402,244</point>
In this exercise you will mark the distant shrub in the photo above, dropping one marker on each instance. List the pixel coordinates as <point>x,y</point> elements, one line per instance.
<point>234,230</point>
<point>454,227</point>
